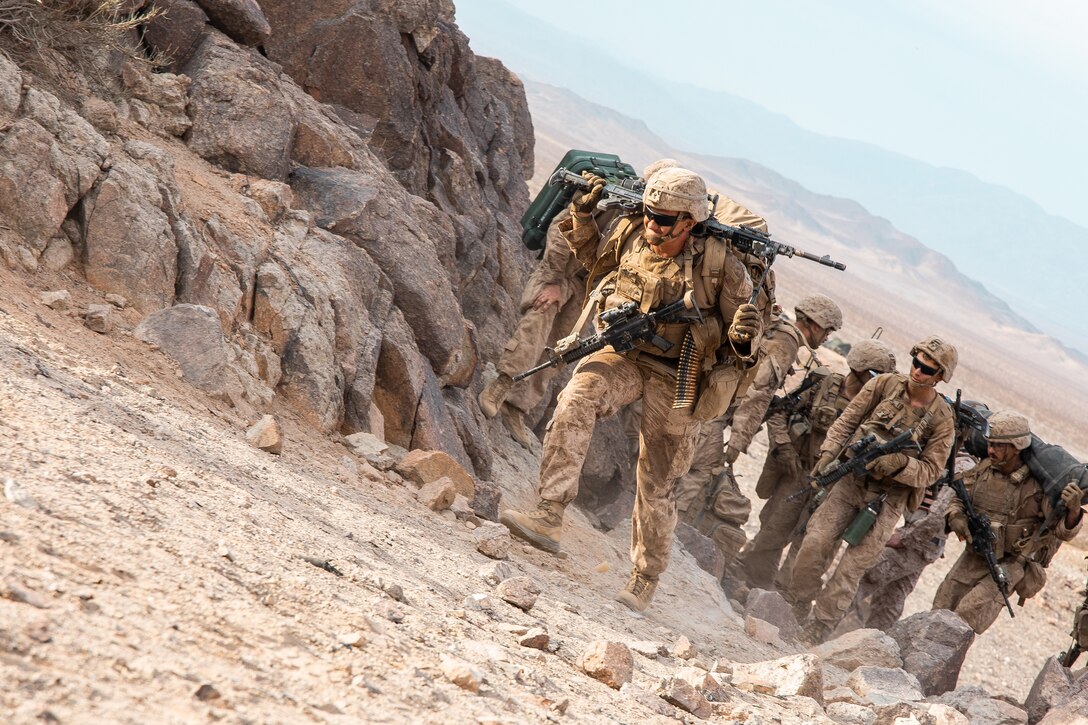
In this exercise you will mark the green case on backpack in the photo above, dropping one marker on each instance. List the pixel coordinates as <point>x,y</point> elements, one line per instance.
<point>553,198</point>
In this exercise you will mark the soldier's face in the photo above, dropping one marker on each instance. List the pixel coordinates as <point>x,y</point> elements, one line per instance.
<point>664,225</point>
<point>921,377</point>
<point>1005,457</point>
<point>815,335</point>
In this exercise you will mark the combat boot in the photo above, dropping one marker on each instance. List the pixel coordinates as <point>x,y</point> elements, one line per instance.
<point>514,420</point>
<point>638,593</point>
<point>494,393</point>
<point>540,527</point>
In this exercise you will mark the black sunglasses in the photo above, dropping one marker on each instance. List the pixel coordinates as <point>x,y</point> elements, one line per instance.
<point>926,369</point>
<point>662,220</point>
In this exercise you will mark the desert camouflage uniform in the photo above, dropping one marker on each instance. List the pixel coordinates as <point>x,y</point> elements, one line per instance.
<point>605,381</point>
<point>777,354</point>
<point>539,328</point>
<point>1017,506</point>
<point>882,405</point>
<point>780,520</point>
<point>705,499</point>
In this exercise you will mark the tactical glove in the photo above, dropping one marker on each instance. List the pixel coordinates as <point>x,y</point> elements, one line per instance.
<point>825,462</point>
<point>747,324</point>
<point>887,466</point>
<point>1071,495</point>
<point>958,525</point>
<point>788,460</point>
<point>585,202</point>
<point>731,454</point>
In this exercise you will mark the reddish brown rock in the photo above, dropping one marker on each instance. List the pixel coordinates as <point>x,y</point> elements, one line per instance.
<point>609,662</point>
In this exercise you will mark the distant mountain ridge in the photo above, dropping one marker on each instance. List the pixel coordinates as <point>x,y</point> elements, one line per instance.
<point>1005,240</point>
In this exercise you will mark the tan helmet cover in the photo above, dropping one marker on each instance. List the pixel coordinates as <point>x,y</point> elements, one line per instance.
<point>822,310</point>
<point>1009,427</point>
<point>656,166</point>
<point>871,355</point>
<point>677,189</point>
<point>943,352</point>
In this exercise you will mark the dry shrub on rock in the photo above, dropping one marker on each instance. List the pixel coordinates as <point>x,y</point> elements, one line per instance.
<point>48,36</point>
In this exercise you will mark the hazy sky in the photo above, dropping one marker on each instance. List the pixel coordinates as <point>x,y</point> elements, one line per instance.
<point>998,88</point>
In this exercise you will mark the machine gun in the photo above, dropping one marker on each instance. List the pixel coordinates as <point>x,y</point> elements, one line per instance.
<point>743,239</point>
<point>978,525</point>
<point>624,327</point>
<point>864,451</point>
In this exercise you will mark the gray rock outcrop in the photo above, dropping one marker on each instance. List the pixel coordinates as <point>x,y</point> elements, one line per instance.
<point>933,646</point>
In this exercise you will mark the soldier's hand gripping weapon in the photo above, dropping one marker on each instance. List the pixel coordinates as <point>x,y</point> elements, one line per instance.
<point>864,451</point>
<point>978,524</point>
<point>624,327</point>
<point>743,239</point>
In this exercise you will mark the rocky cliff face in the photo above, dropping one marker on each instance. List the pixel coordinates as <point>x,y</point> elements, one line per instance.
<point>340,187</point>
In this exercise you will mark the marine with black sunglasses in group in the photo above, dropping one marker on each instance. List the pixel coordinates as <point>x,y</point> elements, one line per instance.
<point>866,509</point>
<point>649,258</point>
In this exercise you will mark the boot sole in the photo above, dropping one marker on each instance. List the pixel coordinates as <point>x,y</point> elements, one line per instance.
<point>541,542</point>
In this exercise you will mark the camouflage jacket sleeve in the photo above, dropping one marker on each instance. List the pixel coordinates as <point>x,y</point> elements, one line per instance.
<point>923,471</point>
<point>583,236</point>
<point>778,430</point>
<point>554,266</point>
<point>1061,531</point>
<point>780,352</point>
<point>736,291</point>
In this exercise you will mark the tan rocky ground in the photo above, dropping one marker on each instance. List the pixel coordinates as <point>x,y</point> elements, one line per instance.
<point>158,574</point>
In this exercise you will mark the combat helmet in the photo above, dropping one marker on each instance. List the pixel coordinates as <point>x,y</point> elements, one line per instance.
<point>822,310</point>
<point>1009,427</point>
<point>871,354</point>
<point>677,189</point>
<point>943,352</point>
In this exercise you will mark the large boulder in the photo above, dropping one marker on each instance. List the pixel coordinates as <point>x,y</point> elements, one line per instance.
<point>1052,686</point>
<point>176,31</point>
<point>50,158</point>
<point>242,117</point>
<point>772,607</point>
<point>884,685</point>
<point>242,20</point>
<point>463,140</point>
<point>129,243</point>
<point>366,210</point>
<point>858,648</point>
<point>191,335</point>
<point>981,709</point>
<point>933,645</point>
<point>793,675</point>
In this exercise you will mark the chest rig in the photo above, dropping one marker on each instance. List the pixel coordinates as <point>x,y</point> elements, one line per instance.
<point>633,272</point>
<point>1013,503</point>
<point>894,414</point>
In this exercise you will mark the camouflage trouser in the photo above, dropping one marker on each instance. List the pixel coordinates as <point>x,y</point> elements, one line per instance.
<point>602,384</point>
<point>721,519</point>
<point>969,591</point>
<point>536,330</point>
<point>886,587</point>
<point>707,461</point>
<point>777,521</point>
<point>822,540</point>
